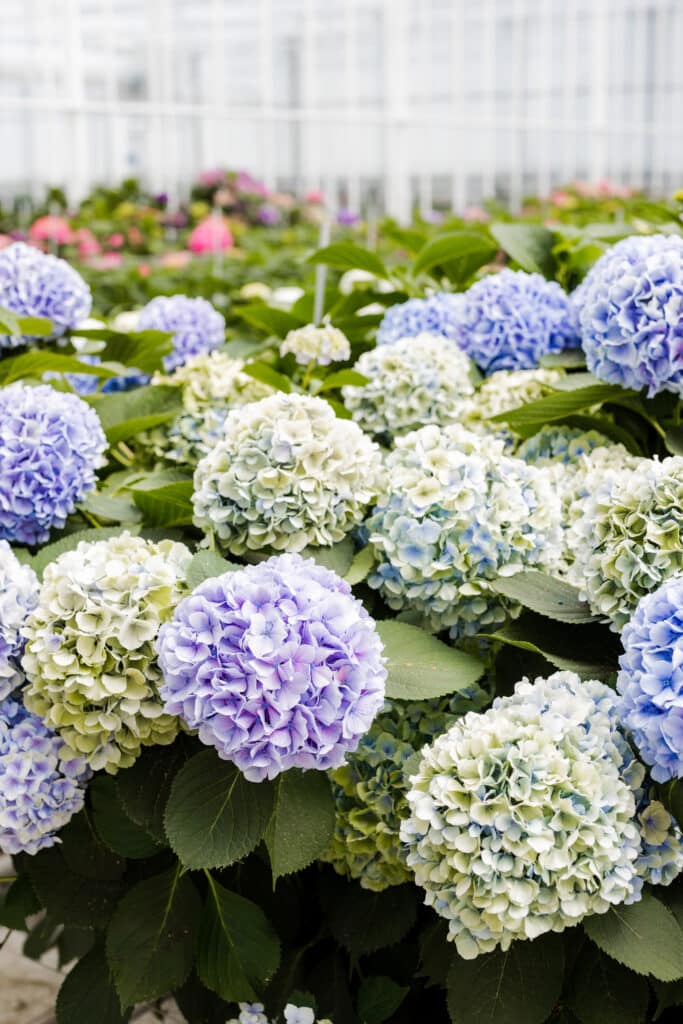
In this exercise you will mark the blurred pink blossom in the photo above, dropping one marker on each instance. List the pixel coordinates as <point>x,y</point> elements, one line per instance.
<point>176,260</point>
<point>211,177</point>
<point>50,229</point>
<point>116,240</point>
<point>211,235</point>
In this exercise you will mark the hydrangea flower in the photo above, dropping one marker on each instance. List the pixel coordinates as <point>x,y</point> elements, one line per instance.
<point>50,446</point>
<point>90,661</point>
<point>18,597</point>
<point>438,314</point>
<point>318,345</point>
<point>651,679</point>
<point>502,391</point>
<point>629,537</point>
<point>41,781</point>
<point>559,444</point>
<point>510,319</point>
<point>254,1013</point>
<point>287,473</point>
<point>459,515</point>
<point>631,314</point>
<point>527,818</point>
<point>277,666</point>
<point>35,284</point>
<point>412,383</point>
<point>196,326</point>
<point>370,788</point>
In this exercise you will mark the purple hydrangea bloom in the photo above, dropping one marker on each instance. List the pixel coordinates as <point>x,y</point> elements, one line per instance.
<point>277,665</point>
<point>196,326</point>
<point>41,781</point>
<point>632,314</point>
<point>510,319</point>
<point>18,598</point>
<point>651,679</point>
<point>35,284</point>
<point>269,215</point>
<point>437,314</point>
<point>51,443</point>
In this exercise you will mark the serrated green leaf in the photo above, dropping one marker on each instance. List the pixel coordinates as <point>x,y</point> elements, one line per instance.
<point>85,853</point>
<point>121,509</point>
<point>239,951</point>
<point>470,249</point>
<point>420,666</point>
<point>561,404</point>
<point>52,551</point>
<point>273,321</point>
<point>347,256</point>
<point>126,414</point>
<point>644,936</point>
<point>88,993</point>
<point>669,993</point>
<point>143,350</point>
<point>70,897</point>
<point>337,557</point>
<point>378,998</point>
<point>267,375</point>
<point>301,823</point>
<point>545,595</point>
<point>166,506</point>
<point>604,992</point>
<point>144,788</point>
<point>361,566</point>
<point>74,944</point>
<point>520,986</point>
<point>529,245</point>
<point>152,937</point>
<point>114,827</point>
<point>214,817</point>
<point>18,903</point>
<point>362,921</point>
<point>343,378</point>
<point>205,565</point>
<point>589,650</point>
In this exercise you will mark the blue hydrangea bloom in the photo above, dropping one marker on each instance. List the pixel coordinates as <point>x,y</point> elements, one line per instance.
<point>35,284</point>
<point>437,314</point>
<point>51,443</point>
<point>41,781</point>
<point>197,327</point>
<point>632,314</point>
<point>18,598</point>
<point>510,319</point>
<point>651,679</point>
<point>277,665</point>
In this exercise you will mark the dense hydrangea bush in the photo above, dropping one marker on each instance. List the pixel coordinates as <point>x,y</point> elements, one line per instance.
<point>277,666</point>
<point>510,319</point>
<point>41,781</point>
<point>438,314</point>
<point>90,661</point>
<point>414,382</point>
<point>50,446</point>
<point>459,514</point>
<point>523,818</point>
<point>318,346</point>
<point>18,597</point>
<point>629,308</point>
<point>196,326</point>
<point>287,473</point>
<point>35,284</point>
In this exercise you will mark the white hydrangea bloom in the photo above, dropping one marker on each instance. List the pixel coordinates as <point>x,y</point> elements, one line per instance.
<point>127,321</point>
<point>256,290</point>
<point>319,345</point>
<point>215,378</point>
<point>18,597</point>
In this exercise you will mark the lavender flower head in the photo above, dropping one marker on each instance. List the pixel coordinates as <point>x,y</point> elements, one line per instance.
<point>631,314</point>
<point>35,284</point>
<point>41,782</point>
<point>196,326</point>
<point>437,314</point>
<point>509,320</point>
<point>50,446</point>
<point>277,666</point>
<point>18,598</point>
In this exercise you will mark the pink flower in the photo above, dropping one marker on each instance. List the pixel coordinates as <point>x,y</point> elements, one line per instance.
<point>176,260</point>
<point>211,177</point>
<point>475,213</point>
<point>316,196</point>
<point>86,242</point>
<point>144,270</point>
<point>116,240</point>
<point>211,235</point>
<point>50,229</point>
<point>5,240</point>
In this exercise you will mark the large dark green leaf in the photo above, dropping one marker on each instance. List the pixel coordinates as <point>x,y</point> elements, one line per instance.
<point>604,992</point>
<point>302,821</point>
<point>347,256</point>
<point>529,245</point>
<point>462,252</point>
<point>590,650</point>
<point>561,404</point>
<point>378,998</point>
<point>545,595</point>
<point>267,375</point>
<point>119,832</point>
<point>70,897</point>
<point>644,936</point>
<point>364,921</point>
<point>273,321</point>
<point>125,414</point>
<point>205,565</point>
<point>170,505</point>
<point>144,350</point>
<point>144,788</point>
<point>88,993</point>
<point>35,364</point>
<point>421,667</point>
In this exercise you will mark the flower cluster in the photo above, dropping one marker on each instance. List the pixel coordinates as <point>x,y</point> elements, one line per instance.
<point>460,513</point>
<point>18,597</point>
<point>502,391</point>
<point>651,681</point>
<point>630,314</point>
<point>277,666</point>
<point>629,538</point>
<point>415,382</point>
<point>196,326</point>
<point>34,284</point>
<point>41,782</point>
<point>510,319</point>
<point>437,314</point>
<point>50,446</point>
<point>287,473</point>
<point>319,346</point>
<point>559,444</point>
<point>525,819</point>
<point>254,1013</point>
<point>370,788</point>
<point>89,657</point>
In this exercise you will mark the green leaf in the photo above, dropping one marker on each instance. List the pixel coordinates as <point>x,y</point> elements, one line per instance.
<point>471,250</point>
<point>152,937</point>
<point>239,951</point>
<point>34,364</point>
<point>207,564</point>
<point>144,350</point>
<point>570,359</point>
<point>144,788</point>
<point>644,936</point>
<point>38,326</point>
<point>590,649</point>
<point>18,903</point>
<point>273,321</point>
<point>88,993</point>
<point>347,256</point>
<point>560,405</point>
<point>302,821</point>
<point>71,898</point>
<point>342,378</point>
<point>604,992</point>
<point>119,509</point>
<point>674,440</point>
<point>167,506</point>
<point>608,428</point>
<point>125,414</point>
<point>9,322</point>
<point>214,817</point>
<point>362,921</point>
<point>545,595</point>
<point>361,566</point>
<point>114,827</point>
<point>85,853</point>
<point>52,551</point>
<point>669,993</point>
<point>529,245</point>
<point>338,557</point>
<point>267,375</point>
<point>378,998</point>
<point>420,666</point>
<point>520,986</point>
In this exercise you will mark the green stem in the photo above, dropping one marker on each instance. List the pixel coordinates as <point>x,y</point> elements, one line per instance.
<point>7,879</point>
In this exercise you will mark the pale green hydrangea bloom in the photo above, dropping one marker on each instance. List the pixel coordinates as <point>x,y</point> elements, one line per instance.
<point>319,346</point>
<point>90,661</point>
